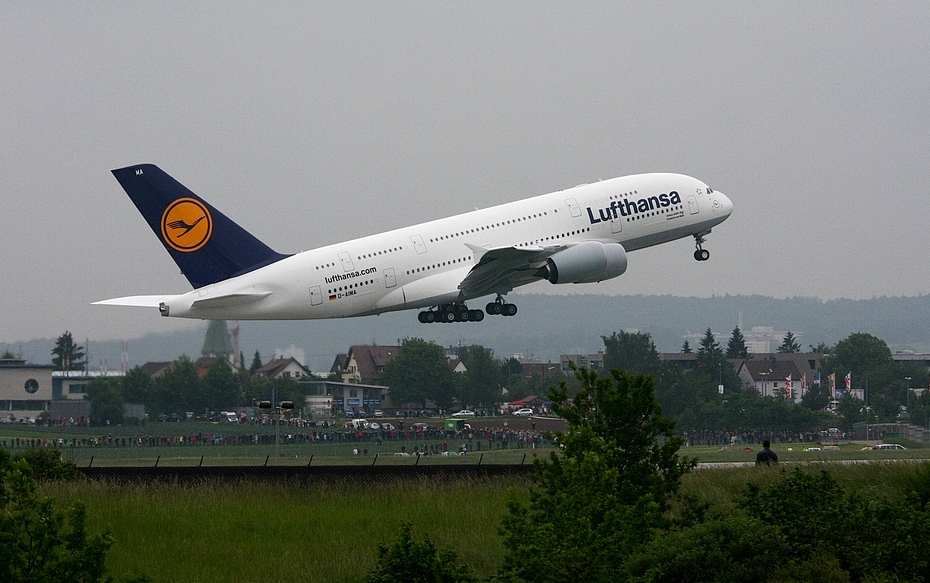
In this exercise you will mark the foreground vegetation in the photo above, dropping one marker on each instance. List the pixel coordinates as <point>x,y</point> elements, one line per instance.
<point>290,532</point>
<point>615,502</point>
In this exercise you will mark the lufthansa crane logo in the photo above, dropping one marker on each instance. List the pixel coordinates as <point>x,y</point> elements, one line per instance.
<point>186,225</point>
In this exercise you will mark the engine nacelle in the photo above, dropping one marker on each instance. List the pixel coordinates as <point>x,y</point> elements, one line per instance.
<point>588,262</point>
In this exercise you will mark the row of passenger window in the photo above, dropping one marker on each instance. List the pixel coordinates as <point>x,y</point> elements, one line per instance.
<point>489,227</point>
<point>438,265</point>
<point>355,285</point>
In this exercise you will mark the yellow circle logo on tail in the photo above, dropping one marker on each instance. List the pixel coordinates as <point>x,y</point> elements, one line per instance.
<point>186,225</point>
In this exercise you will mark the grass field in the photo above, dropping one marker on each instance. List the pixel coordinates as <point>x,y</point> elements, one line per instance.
<point>215,531</point>
<point>250,532</point>
<point>341,452</point>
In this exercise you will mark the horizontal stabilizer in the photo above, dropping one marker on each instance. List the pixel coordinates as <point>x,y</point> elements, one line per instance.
<point>228,300</point>
<point>137,301</point>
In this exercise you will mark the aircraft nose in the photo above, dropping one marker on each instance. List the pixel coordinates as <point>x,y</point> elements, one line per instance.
<point>725,203</point>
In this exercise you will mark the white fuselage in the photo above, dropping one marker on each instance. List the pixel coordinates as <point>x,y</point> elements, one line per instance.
<point>423,265</point>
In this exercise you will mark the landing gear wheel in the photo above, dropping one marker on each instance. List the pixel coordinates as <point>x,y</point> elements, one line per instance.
<point>422,317</point>
<point>430,317</point>
<point>509,309</point>
<point>493,308</point>
<point>700,254</point>
<point>463,316</point>
<point>476,315</point>
<point>448,316</point>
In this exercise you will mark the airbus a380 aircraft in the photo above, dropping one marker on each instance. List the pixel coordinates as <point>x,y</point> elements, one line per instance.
<point>579,235</point>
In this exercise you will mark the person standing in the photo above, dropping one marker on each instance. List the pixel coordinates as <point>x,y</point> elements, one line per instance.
<point>766,455</point>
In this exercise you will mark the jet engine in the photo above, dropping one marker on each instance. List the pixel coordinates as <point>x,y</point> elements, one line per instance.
<point>587,262</point>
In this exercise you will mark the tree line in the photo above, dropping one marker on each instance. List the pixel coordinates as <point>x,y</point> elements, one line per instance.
<point>420,375</point>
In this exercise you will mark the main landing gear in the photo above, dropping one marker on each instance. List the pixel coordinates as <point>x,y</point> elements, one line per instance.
<point>501,308</point>
<point>700,253</point>
<point>460,313</point>
<point>450,313</point>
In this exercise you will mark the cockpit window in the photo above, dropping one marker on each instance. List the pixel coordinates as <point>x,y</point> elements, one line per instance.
<point>710,190</point>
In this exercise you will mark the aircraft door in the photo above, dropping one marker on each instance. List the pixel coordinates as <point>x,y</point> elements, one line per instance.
<point>389,279</point>
<point>573,207</point>
<point>692,204</point>
<point>347,265</point>
<point>616,225</point>
<point>316,295</point>
<point>418,244</point>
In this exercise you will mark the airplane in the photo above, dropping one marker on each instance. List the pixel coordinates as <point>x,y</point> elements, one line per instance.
<point>577,235</point>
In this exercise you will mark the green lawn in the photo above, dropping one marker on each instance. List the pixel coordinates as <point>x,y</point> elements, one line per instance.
<point>292,532</point>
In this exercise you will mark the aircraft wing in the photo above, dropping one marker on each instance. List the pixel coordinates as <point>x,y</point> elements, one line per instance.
<point>501,269</point>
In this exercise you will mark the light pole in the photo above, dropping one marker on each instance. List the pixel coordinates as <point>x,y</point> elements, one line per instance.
<point>907,386</point>
<point>763,375</point>
<point>277,408</point>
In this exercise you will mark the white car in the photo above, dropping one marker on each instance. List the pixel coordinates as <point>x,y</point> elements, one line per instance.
<point>888,446</point>
<point>524,412</point>
<point>464,413</point>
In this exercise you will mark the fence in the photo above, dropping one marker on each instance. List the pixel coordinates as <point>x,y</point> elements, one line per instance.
<point>881,431</point>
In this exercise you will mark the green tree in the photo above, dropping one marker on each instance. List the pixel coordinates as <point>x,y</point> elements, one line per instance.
<point>106,400</point>
<point>736,347</point>
<point>604,494</point>
<point>816,398</point>
<point>221,386</point>
<point>482,382</point>
<point>871,366</point>
<point>41,543</point>
<point>256,362</point>
<point>789,344</point>
<point>686,348</point>
<point>138,387</point>
<point>419,373</point>
<point>712,362</point>
<point>178,390</point>
<point>66,355</point>
<point>634,352</point>
<point>820,348</point>
<point>417,561</point>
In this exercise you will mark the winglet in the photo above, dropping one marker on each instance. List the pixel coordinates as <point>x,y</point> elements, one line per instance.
<point>207,246</point>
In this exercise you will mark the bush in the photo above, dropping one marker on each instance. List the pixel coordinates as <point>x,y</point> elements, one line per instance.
<point>40,543</point>
<point>46,464</point>
<point>731,548</point>
<point>417,561</point>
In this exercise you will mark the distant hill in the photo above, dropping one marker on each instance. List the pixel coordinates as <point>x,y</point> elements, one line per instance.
<point>547,326</point>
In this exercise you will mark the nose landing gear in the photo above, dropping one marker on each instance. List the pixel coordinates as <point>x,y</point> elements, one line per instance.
<point>700,254</point>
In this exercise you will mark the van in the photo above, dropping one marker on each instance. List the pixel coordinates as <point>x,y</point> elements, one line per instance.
<point>229,416</point>
<point>888,446</point>
<point>358,424</point>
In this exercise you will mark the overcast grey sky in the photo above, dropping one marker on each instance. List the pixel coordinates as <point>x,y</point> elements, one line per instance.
<point>310,123</point>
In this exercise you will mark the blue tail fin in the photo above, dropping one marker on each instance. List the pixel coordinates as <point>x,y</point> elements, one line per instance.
<point>206,245</point>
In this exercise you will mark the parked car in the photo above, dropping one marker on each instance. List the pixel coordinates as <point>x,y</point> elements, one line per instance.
<point>374,427</point>
<point>464,413</point>
<point>379,413</point>
<point>524,412</point>
<point>387,427</point>
<point>888,446</point>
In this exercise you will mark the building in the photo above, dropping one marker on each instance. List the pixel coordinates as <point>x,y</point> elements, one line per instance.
<point>328,398</point>
<point>584,361</point>
<point>366,363</point>
<point>769,373</point>
<point>284,368</point>
<point>25,389</point>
